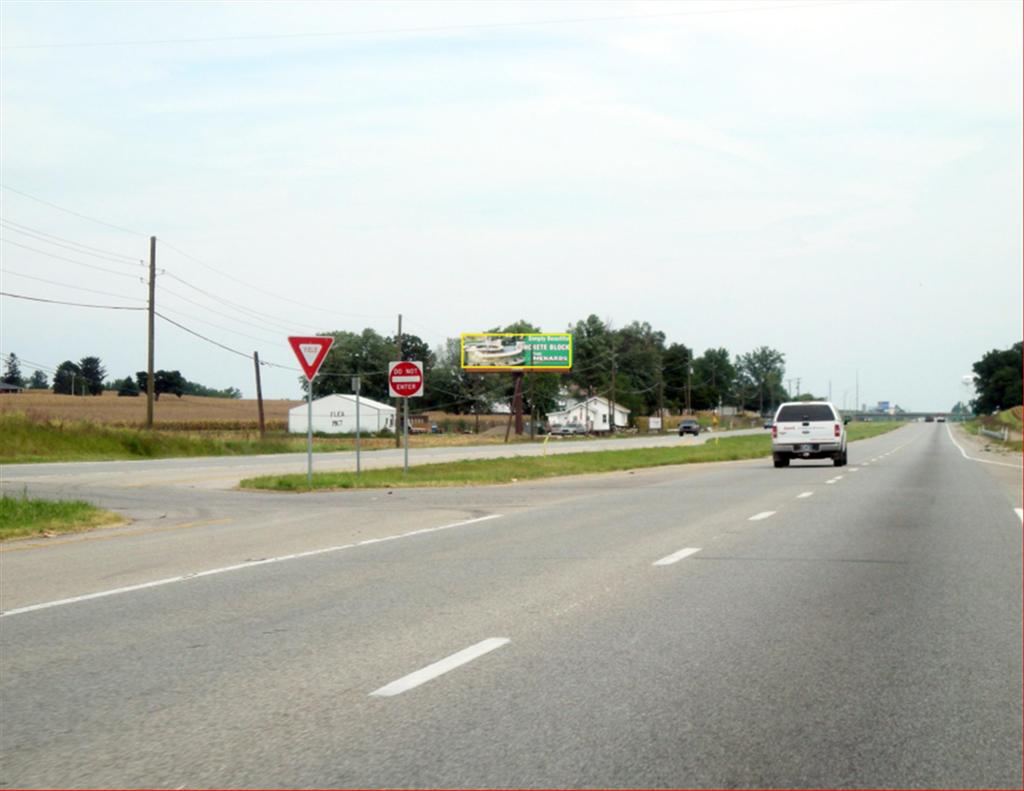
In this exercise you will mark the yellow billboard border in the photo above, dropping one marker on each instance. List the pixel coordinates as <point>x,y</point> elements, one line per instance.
<point>512,368</point>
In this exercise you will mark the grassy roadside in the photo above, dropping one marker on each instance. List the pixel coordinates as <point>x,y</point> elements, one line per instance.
<point>510,470</point>
<point>25,440</point>
<point>21,517</point>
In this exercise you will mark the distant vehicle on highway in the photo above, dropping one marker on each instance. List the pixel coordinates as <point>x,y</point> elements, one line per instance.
<point>940,419</point>
<point>768,423</point>
<point>808,430</point>
<point>929,419</point>
<point>689,426</point>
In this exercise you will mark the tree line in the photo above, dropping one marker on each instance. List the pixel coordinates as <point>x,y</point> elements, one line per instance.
<point>633,365</point>
<point>999,380</point>
<point>87,377</point>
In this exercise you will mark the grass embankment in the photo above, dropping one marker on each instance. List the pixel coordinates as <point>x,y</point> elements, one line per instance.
<point>510,470</point>
<point>21,517</point>
<point>25,439</point>
<point>1010,419</point>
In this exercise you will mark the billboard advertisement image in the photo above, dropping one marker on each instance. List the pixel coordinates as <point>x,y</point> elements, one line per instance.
<point>506,351</point>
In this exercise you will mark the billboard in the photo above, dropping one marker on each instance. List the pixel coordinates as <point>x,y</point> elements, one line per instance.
<point>506,351</point>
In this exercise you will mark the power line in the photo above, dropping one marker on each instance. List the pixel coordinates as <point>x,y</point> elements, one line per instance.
<point>69,260</point>
<point>71,244</point>
<point>75,213</point>
<point>407,30</point>
<point>69,285</point>
<point>303,305</point>
<point>203,337</point>
<point>61,302</point>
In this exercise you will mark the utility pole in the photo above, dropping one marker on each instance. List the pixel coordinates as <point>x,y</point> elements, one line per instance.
<point>398,401</point>
<point>798,387</point>
<point>856,398</point>
<point>689,372</point>
<point>259,395</point>
<point>150,383</point>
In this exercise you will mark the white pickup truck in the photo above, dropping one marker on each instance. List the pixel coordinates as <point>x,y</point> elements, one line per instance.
<point>808,430</point>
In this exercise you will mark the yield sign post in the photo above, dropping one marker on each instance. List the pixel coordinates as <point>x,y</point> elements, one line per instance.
<point>310,351</point>
<point>405,381</point>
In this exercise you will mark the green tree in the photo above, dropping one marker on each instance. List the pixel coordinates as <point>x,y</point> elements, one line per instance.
<point>163,382</point>
<point>364,354</point>
<point>38,381</point>
<point>639,352</point>
<point>126,387</point>
<point>676,364</point>
<point>12,371</point>
<point>68,379</point>
<point>93,373</point>
<point>713,379</point>
<point>592,350</point>
<point>764,369</point>
<point>998,380</point>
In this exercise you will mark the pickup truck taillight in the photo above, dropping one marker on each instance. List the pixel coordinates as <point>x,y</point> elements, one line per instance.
<point>775,432</point>
<point>838,429</point>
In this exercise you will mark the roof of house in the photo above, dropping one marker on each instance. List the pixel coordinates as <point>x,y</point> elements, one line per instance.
<point>599,399</point>
<point>348,398</point>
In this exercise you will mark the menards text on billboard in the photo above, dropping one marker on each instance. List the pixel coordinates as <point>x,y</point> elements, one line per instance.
<point>506,351</point>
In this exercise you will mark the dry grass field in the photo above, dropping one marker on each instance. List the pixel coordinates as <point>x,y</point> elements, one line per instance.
<point>189,413</point>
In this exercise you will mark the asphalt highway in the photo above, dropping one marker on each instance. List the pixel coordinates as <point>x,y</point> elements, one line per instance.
<point>717,625</point>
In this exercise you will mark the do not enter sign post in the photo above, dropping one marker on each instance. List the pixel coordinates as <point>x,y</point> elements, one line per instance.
<point>405,381</point>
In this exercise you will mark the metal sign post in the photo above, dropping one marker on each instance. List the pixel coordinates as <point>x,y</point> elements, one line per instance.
<point>405,380</point>
<point>355,389</point>
<point>309,434</point>
<point>310,351</point>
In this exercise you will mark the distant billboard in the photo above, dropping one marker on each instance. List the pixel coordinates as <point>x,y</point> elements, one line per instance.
<point>506,351</point>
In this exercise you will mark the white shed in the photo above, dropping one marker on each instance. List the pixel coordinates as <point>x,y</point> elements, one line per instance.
<point>336,414</point>
<point>592,414</point>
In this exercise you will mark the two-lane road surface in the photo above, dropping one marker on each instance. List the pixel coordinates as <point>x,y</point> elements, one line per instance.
<point>701,626</point>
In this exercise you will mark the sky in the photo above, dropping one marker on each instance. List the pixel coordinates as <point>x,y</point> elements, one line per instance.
<point>840,181</point>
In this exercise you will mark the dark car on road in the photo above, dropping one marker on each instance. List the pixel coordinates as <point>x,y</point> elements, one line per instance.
<point>689,426</point>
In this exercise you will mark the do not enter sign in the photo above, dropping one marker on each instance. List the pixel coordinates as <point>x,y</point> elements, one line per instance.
<point>405,379</point>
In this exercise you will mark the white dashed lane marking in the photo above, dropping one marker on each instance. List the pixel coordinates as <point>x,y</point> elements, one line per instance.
<point>675,557</point>
<point>762,515</point>
<point>439,668</point>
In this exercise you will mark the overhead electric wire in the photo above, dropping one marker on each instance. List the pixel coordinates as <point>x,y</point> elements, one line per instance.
<point>262,339</point>
<point>62,302</point>
<point>69,285</point>
<point>203,337</point>
<point>304,305</point>
<point>165,290</point>
<point>69,260</point>
<point>69,244</point>
<point>265,317</point>
<point>70,211</point>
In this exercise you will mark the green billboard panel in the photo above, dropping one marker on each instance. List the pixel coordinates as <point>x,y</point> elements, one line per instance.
<point>506,351</point>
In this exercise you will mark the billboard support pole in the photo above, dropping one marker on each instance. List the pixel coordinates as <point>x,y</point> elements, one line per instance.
<point>517,403</point>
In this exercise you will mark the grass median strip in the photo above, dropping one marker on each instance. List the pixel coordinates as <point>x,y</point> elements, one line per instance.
<point>21,517</point>
<point>508,470</point>
<point>481,472</point>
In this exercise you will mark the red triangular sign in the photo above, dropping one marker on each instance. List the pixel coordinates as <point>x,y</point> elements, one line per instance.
<point>311,351</point>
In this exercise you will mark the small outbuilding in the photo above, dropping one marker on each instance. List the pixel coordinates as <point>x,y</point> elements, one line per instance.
<point>593,414</point>
<point>336,414</point>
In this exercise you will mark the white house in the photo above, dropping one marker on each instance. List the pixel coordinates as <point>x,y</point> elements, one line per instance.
<point>336,414</point>
<point>593,414</point>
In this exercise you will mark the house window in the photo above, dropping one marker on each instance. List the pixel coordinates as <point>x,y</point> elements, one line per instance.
<point>604,419</point>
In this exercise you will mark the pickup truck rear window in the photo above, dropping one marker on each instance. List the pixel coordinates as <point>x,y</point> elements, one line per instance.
<point>799,413</point>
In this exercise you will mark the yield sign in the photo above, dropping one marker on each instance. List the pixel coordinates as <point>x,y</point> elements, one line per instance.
<point>311,352</point>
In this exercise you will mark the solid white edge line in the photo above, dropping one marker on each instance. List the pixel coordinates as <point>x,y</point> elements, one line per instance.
<point>236,567</point>
<point>1020,513</point>
<point>675,557</point>
<point>762,515</point>
<point>430,672</point>
<point>963,453</point>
